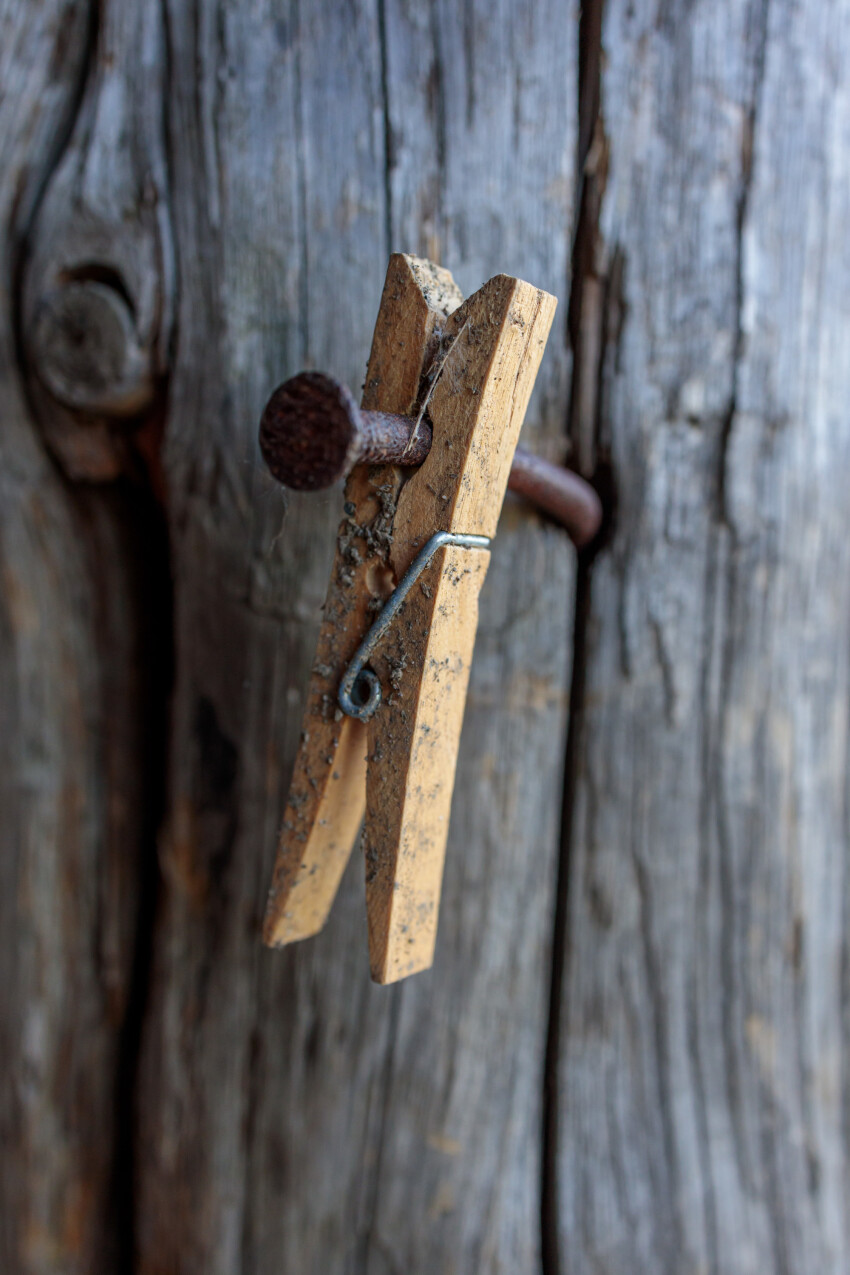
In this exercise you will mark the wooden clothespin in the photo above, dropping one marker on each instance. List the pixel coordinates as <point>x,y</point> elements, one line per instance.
<point>473,364</point>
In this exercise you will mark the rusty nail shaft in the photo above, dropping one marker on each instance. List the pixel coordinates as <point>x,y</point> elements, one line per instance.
<point>312,433</point>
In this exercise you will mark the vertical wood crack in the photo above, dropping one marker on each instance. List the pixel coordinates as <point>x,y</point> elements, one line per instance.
<point>587,310</point>
<point>388,131</point>
<point>747,160</point>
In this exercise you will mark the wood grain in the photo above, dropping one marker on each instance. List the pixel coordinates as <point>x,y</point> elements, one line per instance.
<point>222,188</point>
<point>703,1048</point>
<point>226,193</point>
<point>281,1093</point>
<point>79,687</point>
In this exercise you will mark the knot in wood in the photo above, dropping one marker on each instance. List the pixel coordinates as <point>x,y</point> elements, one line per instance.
<point>84,347</point>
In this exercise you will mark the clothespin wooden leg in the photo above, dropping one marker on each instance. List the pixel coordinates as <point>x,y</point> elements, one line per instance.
<point>327,794</point>
<point>495,342</point>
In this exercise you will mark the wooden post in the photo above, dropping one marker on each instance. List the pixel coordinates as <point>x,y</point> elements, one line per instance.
<point>645,1073</point>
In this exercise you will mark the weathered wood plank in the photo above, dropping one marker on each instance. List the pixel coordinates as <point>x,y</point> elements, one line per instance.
<point>704,1042</point>
<point>279,227</point>
<point>482,113</point>
<point>293,1116</point>
<point>74,704</point>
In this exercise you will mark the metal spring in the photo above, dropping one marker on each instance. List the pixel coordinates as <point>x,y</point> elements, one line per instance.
<point>360,690</point>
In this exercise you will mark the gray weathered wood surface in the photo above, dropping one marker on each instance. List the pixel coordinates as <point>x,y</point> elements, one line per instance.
<point>300,1115</point>
<point>80,704</point>
<point>703,1060</point>
<point>198,198</point>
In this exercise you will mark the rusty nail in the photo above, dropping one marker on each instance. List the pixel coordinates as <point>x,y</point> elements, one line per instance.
<point>312,433</point>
